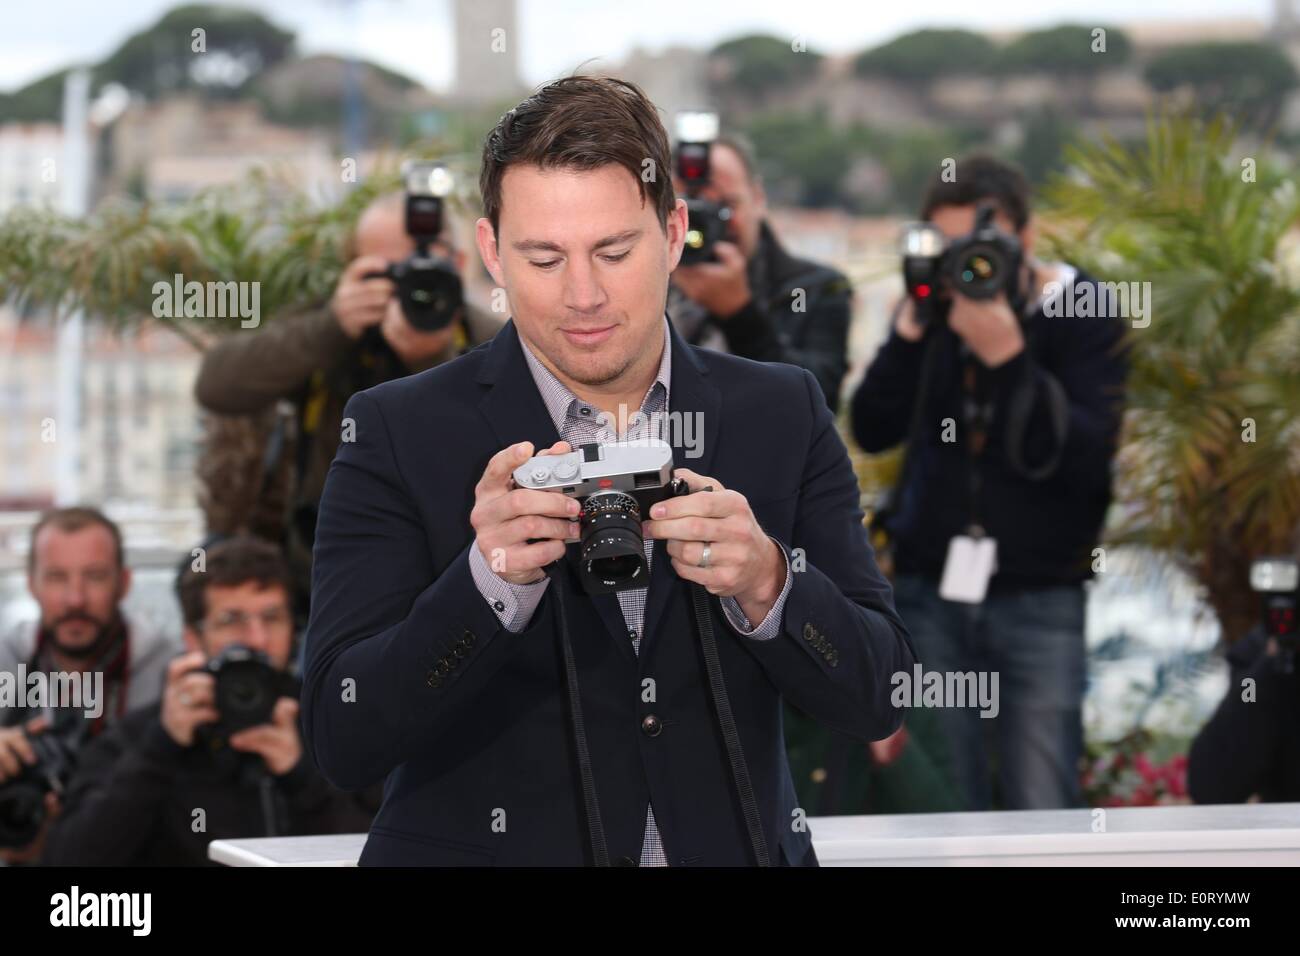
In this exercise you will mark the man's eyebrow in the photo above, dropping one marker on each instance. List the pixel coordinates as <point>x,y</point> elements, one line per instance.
<point>543,245</point>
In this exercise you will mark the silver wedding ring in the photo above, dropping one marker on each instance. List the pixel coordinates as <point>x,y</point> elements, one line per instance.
<point>704,558</point>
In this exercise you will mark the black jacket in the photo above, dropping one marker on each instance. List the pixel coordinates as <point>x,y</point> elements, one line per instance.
<point>1250,747</point>
<point>1044,474</point>
<point>468,721</point>
<point>775,326</point>
<point>134,796</point>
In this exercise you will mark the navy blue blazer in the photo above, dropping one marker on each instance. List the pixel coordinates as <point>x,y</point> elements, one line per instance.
<point>409,675</point>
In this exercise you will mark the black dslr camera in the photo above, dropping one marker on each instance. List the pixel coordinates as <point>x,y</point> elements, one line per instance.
<point>22,800</point>
<point>616,484</point>
<point>1278,581</point>
<point>247,687</point>
<point>428,286</point>
<point>707,220</point>
<point>978,265</point>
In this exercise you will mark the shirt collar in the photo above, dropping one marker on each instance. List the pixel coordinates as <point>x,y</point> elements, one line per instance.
<point>559,400</point>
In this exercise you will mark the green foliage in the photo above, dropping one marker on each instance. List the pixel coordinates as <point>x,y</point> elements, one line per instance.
<point>1065,49</point>
<point>40,100</point>
<point>1222,347</point>
<point>759,63</point>
<point>262,230</point>
<point>1247,80</point>
<point>240,43</point>
<point>924,55</point>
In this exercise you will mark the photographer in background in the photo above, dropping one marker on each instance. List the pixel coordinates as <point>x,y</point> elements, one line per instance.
<point>1011,414</point>
<point>314,361</point>
<point>1250,747</point>
<point>134,797</point>
<point>749,296</point>
<point>76,572</point>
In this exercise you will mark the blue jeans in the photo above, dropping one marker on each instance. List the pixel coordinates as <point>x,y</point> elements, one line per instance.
<point>1033,639</point>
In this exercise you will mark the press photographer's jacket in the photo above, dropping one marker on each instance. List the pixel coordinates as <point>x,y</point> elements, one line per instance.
<point>409,674</point>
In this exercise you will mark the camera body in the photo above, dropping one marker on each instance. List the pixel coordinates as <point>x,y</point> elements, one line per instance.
<point>247,687</point>
<point>428,286</point>
<point>979,265</point>
<point>707,221</point>
<point>616,484</point>
<point>22,800</point>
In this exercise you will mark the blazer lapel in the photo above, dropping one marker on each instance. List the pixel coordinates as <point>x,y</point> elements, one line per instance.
<point>695,403</point>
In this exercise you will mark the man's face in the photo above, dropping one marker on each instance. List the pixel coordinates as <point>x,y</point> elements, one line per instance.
<point>381,231</point>
<point>585,264</point>
<point>732,186</point>
<point>78,583</point>
<point>252,614</point>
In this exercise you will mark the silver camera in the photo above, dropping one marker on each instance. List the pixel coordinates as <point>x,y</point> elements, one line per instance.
<point>617,484</point>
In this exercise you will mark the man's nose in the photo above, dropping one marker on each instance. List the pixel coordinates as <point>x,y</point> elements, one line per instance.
<point>257,634</point>
<point>582,289</point>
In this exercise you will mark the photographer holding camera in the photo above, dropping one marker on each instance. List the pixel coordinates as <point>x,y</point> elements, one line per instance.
<point>1011,418</point>
<point>224,743</point>
<point>76,572</point>
<point>546,672</point>
<point>1250,747</point>
<point>737,289</point>
<point>374,329</point>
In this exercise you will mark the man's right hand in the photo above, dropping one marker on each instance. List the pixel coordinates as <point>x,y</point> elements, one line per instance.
<point>905,323</point>
<point>506,518</point>
<point>358,302</point>
<point>188,699</point>
<point>16,751</point>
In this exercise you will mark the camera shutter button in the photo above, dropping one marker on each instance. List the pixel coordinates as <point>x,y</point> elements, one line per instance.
<point>539,474</point>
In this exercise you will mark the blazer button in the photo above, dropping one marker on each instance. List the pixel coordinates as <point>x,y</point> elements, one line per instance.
<point>651,726</point>
<point>470,637</point>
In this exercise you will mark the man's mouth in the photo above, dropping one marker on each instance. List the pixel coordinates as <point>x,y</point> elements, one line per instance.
<point>588,338</point>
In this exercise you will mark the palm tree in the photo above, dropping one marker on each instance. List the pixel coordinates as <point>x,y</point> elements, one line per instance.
<point>1209,469</point>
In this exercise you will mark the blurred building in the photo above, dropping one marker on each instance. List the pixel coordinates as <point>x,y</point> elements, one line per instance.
<point>138,420</point>
<point>29,157</point>
<point>172,149</point>
<point>487,51</point>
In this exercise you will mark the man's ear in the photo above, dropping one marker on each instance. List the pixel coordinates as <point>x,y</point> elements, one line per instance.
<point>485,238</point>
<point>676,229</point>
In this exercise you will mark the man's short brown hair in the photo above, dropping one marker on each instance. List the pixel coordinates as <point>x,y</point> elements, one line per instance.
<point>74,519</point>
<point>230,563</point>
<point>582,122</point>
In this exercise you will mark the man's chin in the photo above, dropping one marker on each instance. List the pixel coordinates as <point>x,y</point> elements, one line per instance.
<point>76,640</point>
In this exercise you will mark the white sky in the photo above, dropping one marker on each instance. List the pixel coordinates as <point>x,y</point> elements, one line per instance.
<point>414,36</point>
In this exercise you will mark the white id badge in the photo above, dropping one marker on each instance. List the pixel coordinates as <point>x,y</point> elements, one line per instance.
<point>971,563</point>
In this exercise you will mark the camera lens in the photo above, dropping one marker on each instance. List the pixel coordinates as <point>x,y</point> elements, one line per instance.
<point>979,272</point>
<point>613,551</point>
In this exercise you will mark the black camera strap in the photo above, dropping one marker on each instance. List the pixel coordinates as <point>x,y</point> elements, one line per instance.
<point>722,710</point>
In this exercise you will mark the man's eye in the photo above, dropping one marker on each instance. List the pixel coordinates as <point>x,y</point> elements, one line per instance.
<point>548,264</point>
<point>618,258</point>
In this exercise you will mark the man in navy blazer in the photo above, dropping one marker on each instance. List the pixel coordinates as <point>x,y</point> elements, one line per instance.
<point>433,655</point>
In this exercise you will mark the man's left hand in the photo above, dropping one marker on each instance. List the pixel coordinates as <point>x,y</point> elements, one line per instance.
<point>722,287</point>
<point>988,327</point>
<point>277,742</point>
<point>744,562</point>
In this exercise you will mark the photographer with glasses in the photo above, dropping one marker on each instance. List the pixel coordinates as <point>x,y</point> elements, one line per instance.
<point>222,756</point>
